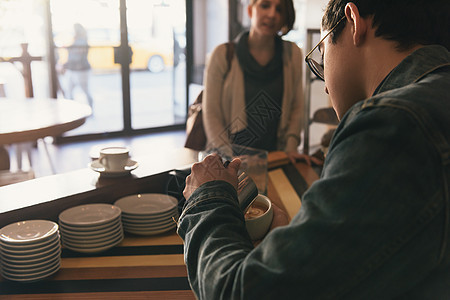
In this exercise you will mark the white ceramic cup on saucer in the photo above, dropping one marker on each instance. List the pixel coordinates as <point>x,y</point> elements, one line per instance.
<point>114,159</point>
<point>259,217</point>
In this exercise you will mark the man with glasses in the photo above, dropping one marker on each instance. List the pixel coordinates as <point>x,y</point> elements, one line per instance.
<point>376,225</point>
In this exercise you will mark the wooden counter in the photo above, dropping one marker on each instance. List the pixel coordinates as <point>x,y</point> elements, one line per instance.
<point>46,197</point>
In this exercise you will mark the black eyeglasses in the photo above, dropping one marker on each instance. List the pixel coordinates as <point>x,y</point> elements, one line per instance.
<point>315,67</point>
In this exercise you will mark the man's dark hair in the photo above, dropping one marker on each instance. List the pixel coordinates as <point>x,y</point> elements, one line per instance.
<point>408,22</point>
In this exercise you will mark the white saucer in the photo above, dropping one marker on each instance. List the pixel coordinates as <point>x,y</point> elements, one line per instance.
<point>92,234</point>
<point>151,204</point>
<point>148,225</point>
<point>149,231</point>
<point>27,257</point>
<point>93,244</point>
<point>150,222</point>
<point>21,265</point>
<point>98,167</point>
<point>104,247</point>
<point>43,268</point>
<point>149,218</point>
<point>28,262</point>
<point>89,215</point>
<point>104,227</point>
<point>28,232</point>
<point>95,240</point>
<point>33,276</point>
<point>30,246</point>
<point>12,251</point>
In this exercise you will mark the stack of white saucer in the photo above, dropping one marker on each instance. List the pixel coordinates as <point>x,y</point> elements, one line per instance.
<point>91,228</point>
<point>29,250</point>
<point>148,214</point>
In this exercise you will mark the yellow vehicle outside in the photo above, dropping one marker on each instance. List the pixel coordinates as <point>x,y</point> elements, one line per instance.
<point>153,55</point>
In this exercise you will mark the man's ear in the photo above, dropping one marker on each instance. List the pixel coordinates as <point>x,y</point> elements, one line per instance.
<point>359,25</point>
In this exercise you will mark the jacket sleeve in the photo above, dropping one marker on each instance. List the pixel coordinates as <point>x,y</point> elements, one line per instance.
<point>213,117</point>
<point>212,213</point>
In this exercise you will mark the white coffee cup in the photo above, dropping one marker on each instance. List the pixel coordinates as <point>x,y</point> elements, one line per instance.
<point>114,158</point>
<point>258,217</point>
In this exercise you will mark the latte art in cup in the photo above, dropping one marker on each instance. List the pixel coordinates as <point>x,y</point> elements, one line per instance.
<point>255,210</point>
<point>259,217</point>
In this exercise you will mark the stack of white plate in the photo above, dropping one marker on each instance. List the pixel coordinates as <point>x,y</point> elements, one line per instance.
<point>30,250</point>
<point>148,214</point>
<point>91,228</point>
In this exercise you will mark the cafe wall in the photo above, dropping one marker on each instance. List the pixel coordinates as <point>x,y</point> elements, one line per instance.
<point>315,9</point>
<point>319,99</point>
<point>210,27</point>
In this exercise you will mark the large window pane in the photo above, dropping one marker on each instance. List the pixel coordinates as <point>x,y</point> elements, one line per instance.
<point>157,37</point>
<point>100,85</point>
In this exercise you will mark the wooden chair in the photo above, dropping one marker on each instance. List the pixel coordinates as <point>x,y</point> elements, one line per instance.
<point>4,159</point>
<point>325,115</point>
<point>6,175</point>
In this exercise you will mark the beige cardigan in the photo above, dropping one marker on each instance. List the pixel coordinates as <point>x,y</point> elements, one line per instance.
<point>224,103</point>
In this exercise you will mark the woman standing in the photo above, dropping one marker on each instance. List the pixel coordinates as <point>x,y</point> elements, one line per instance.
<point>77,67</point>
<point>258,102</point>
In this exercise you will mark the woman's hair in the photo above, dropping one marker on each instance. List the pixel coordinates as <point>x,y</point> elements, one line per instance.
<point>288,13</point>
<point>407,22</point>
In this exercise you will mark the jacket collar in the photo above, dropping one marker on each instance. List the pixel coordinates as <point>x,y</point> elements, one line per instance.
<point>415,66</point>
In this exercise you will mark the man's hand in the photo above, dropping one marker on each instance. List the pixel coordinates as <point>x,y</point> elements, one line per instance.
<point>280,218</point>
<point>210,169</point>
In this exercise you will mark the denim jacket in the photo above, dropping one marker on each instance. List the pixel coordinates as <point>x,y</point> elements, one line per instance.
<point>374,226</point>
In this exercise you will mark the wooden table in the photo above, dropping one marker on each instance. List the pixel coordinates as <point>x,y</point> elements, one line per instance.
<point>24,120</point>
<point>150,267</point>
<point>31,119</point>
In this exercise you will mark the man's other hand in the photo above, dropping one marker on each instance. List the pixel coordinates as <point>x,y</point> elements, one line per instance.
<point>210,169</point>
